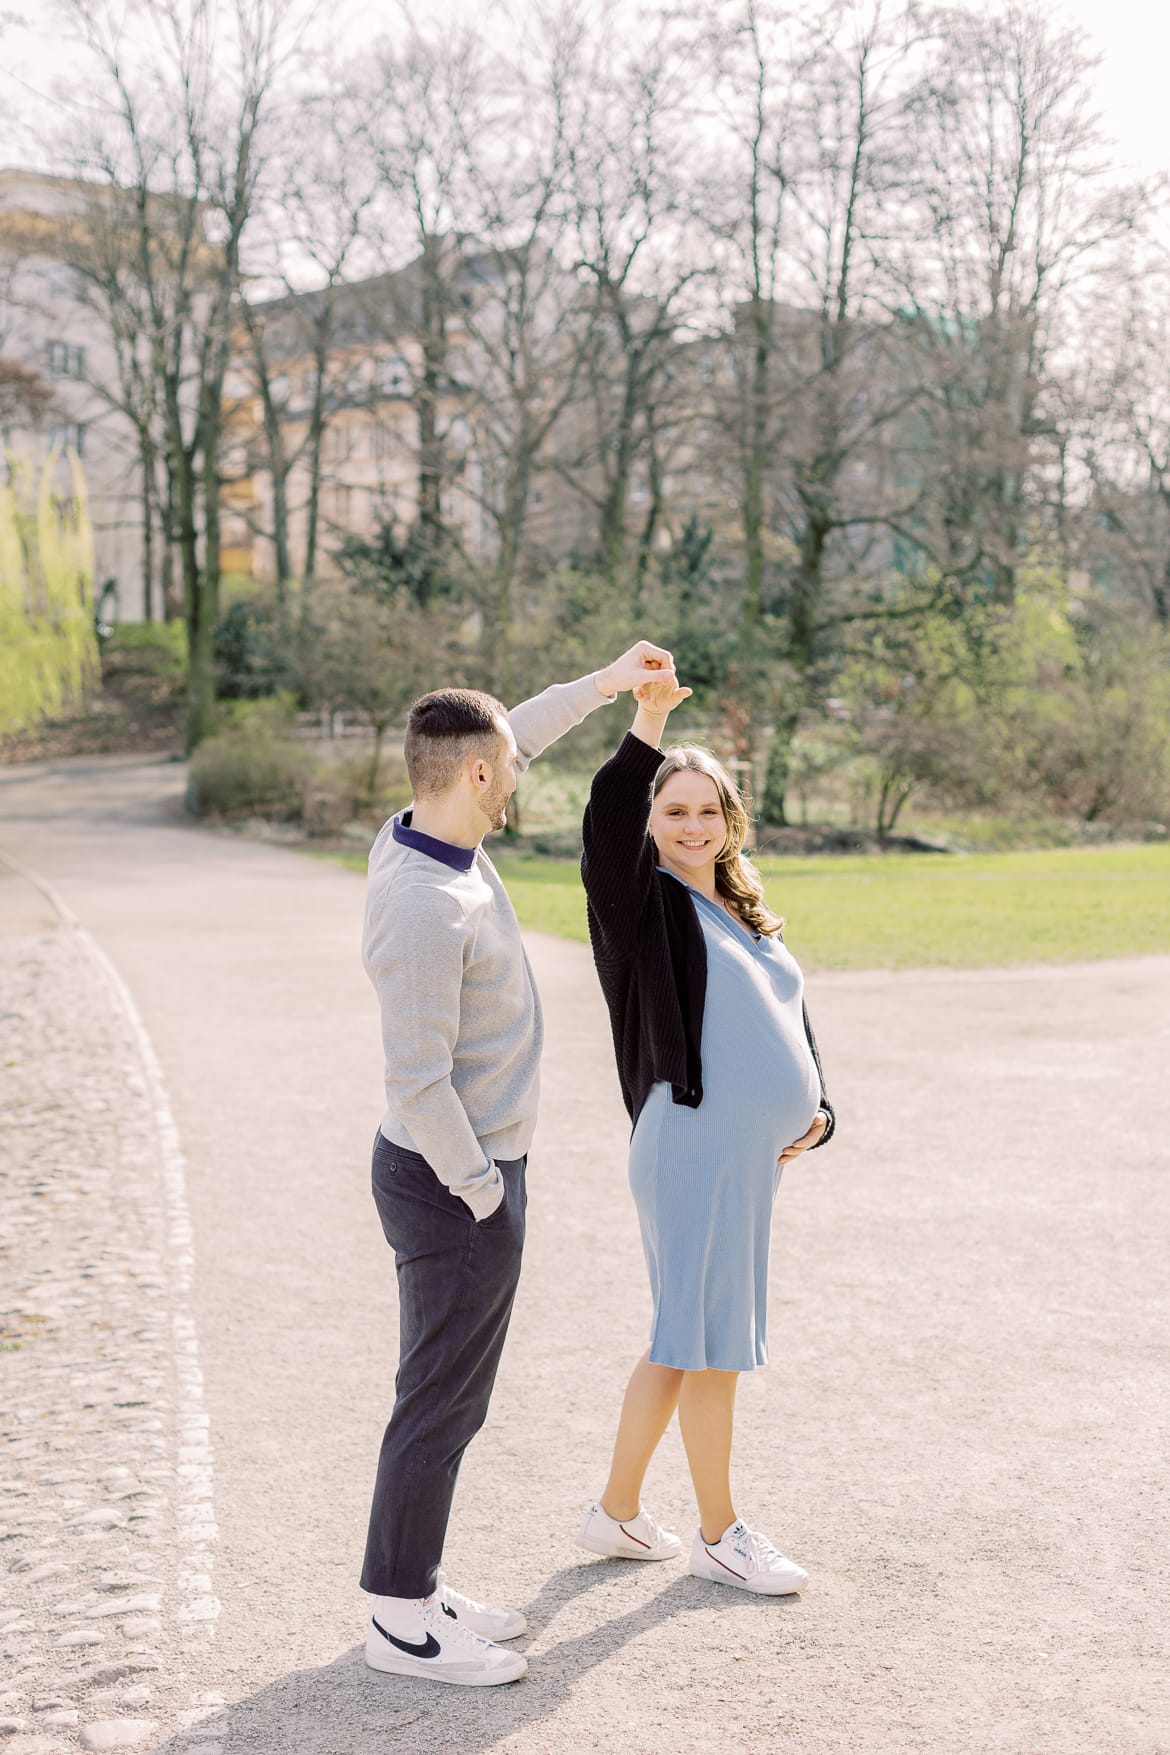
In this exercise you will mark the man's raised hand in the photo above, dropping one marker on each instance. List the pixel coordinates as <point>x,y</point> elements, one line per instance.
<point>642,663</point>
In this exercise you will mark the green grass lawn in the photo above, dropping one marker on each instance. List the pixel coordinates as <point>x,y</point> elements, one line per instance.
<point>1063,904</point>
<point>897,912</point>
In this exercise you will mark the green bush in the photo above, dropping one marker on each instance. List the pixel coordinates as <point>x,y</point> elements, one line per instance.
<point>254,650</point>
<point>253,768</point>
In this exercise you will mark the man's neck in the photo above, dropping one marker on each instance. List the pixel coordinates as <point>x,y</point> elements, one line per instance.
<point>448,819</point>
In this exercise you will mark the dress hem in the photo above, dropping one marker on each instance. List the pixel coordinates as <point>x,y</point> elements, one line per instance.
<point>673,1365</point>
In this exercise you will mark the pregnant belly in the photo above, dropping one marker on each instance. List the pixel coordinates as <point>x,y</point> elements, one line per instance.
<point>791,1096</point>
<point>764,1086</point>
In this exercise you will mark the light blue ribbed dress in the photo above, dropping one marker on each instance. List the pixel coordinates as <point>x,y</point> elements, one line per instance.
<point>704,1180</point>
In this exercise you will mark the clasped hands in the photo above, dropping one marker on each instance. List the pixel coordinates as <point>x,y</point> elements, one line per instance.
<point>648,671</point>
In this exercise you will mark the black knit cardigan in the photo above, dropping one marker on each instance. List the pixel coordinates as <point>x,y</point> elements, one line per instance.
<point>647,941</point>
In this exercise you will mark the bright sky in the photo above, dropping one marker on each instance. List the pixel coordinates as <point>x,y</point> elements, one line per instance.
<point>1133,36</point>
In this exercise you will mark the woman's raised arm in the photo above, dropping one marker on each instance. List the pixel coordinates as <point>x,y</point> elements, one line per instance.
<point>617,862</point>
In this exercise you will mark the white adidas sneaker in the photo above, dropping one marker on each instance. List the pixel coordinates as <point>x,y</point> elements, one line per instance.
<point>482,1618</point>
<point>747,1560</point>
<point>638,1538</point>
<point>439,1647</point>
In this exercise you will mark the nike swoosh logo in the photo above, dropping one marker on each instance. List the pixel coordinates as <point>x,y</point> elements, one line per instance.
<point>429,1648</point>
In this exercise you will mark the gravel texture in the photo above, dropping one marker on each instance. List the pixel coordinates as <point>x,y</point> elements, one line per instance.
<point>106,1525</point>
<point>962,1435</point>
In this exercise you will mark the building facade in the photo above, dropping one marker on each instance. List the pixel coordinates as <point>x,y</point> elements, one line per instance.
<point>50,335</point>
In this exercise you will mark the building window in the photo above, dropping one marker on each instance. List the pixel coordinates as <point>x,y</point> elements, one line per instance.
<point>64,360</point>
<point>334,444</point>
<point>68,433</point>
<point>338,500</point>
<point>394,376</point>
<point>63,282</point>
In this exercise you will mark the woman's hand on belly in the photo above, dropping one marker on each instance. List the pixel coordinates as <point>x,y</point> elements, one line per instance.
<point>820,1123</point>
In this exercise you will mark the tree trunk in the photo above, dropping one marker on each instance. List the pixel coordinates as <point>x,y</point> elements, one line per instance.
<point>277,459</point>
<point>315,444</point>
<point>200,677</point>
<point>753,499</point>
<point>172,595</point>
<point>430,444</point>
<point>375,760</point>
<point>146,459</point>
<point>649,528</point>
<point>499,621</point>
<point>613,511</point>
<point>773,804</point>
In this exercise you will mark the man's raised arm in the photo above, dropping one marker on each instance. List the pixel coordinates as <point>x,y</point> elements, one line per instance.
<point>539,722</point>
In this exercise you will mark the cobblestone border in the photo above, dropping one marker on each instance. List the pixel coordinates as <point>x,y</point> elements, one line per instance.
<point>103,1370</point>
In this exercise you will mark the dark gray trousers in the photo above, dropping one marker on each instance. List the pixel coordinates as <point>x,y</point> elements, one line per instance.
<point>456,1283</point>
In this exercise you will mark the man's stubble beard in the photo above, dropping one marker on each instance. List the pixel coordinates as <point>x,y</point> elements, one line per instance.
<point>495,808</point>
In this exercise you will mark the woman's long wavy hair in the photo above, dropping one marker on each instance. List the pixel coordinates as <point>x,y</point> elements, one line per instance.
<point>736,877</point>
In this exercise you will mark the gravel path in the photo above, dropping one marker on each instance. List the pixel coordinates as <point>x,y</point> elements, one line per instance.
<point>108,1524</point>
<point>963,1434</point>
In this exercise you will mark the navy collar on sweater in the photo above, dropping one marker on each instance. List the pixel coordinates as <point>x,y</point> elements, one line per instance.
<point>458,858</point>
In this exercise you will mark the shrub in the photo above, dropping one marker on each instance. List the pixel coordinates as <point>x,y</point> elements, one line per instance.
<point>254,650</point>
<point>253,768</point>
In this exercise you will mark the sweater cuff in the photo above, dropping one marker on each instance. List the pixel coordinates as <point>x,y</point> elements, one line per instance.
<point>827,1109</point>
<point>586,696</point>
<point>486,1196</point>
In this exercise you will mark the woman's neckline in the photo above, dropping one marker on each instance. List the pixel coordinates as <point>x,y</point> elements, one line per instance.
<point>734,922</point>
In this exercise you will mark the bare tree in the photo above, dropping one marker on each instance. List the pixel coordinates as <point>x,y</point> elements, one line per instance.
<point>825,373</point>
<point>1012,183</point>
<point>630,192</point>
<point>758,77</point>
<point>179,150</point>
<point>527,331</point>
<point>426,106</point>
<point>1124,440</point>
<point>313,215</point>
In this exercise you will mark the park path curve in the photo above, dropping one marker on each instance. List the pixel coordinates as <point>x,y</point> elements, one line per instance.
<point>962,1434</point>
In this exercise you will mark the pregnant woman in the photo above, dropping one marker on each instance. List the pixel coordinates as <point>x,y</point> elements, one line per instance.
<point>720,1073</point>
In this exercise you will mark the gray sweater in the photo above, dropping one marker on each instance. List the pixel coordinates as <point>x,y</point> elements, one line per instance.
<point>461,1019</point>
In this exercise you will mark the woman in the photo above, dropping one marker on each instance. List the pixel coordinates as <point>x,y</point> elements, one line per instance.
<point>720,1073</point>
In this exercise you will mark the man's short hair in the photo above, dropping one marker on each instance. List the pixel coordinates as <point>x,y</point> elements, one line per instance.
<point>443,729</point>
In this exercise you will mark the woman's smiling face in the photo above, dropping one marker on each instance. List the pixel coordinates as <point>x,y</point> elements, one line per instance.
<point>688,824</point>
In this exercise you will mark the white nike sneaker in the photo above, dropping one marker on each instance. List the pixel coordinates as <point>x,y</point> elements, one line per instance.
<point>747,1560</point>
<point>483,1618</point>
<point>440,1648</point>
<point>638,1538</point>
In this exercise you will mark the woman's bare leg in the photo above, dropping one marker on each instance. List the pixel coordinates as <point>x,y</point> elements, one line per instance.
<point>650,1400</point>
<point>706,1410</point>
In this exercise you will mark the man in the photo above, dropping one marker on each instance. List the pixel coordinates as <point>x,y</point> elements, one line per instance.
<point>461,1026</point>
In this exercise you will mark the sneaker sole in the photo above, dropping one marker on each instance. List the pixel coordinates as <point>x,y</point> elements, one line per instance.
<point>610,1553</point>
<point>799,1580</point>
<point>395,1664</point>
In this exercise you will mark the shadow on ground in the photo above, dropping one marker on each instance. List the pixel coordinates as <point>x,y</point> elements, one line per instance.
<point>343,1708</point>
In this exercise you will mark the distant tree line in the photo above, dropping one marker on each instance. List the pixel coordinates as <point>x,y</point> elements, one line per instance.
<point>834,338</point>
